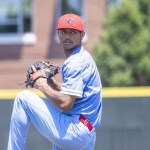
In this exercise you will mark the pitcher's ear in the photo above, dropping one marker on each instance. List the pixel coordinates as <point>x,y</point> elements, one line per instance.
<point>82,34</point>
<point>58,34</point>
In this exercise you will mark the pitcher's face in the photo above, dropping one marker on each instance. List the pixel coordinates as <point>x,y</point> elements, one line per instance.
<point>70,38</point>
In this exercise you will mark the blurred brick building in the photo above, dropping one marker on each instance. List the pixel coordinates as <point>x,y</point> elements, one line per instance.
<point>27,33</point>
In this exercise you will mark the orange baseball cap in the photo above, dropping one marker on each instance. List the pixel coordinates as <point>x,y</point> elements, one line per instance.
<point>70,21</point>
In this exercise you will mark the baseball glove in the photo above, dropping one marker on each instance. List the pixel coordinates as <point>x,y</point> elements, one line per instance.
<point>40,70</point>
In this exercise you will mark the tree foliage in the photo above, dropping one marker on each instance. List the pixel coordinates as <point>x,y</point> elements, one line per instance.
<point>123,53</point>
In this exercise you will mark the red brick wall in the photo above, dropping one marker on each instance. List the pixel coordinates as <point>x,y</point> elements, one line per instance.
<point>15,59</point>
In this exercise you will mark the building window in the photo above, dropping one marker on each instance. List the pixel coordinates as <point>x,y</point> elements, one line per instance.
<point>114,2</point>
<point>75,7</point>
<point>70,6</point>
<point>16,22</point>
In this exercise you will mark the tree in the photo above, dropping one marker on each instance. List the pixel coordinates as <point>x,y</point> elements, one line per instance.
<point>123,53</point>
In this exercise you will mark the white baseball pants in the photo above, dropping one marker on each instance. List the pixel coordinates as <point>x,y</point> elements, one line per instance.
<point>64,131</point>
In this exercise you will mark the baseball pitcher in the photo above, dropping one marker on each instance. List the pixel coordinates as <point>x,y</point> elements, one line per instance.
<point>71,112</point>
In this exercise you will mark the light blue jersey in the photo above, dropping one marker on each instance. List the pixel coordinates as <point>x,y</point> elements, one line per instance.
<point>81,78</point>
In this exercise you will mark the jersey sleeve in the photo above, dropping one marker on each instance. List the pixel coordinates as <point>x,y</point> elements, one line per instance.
<point>72,80</point>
